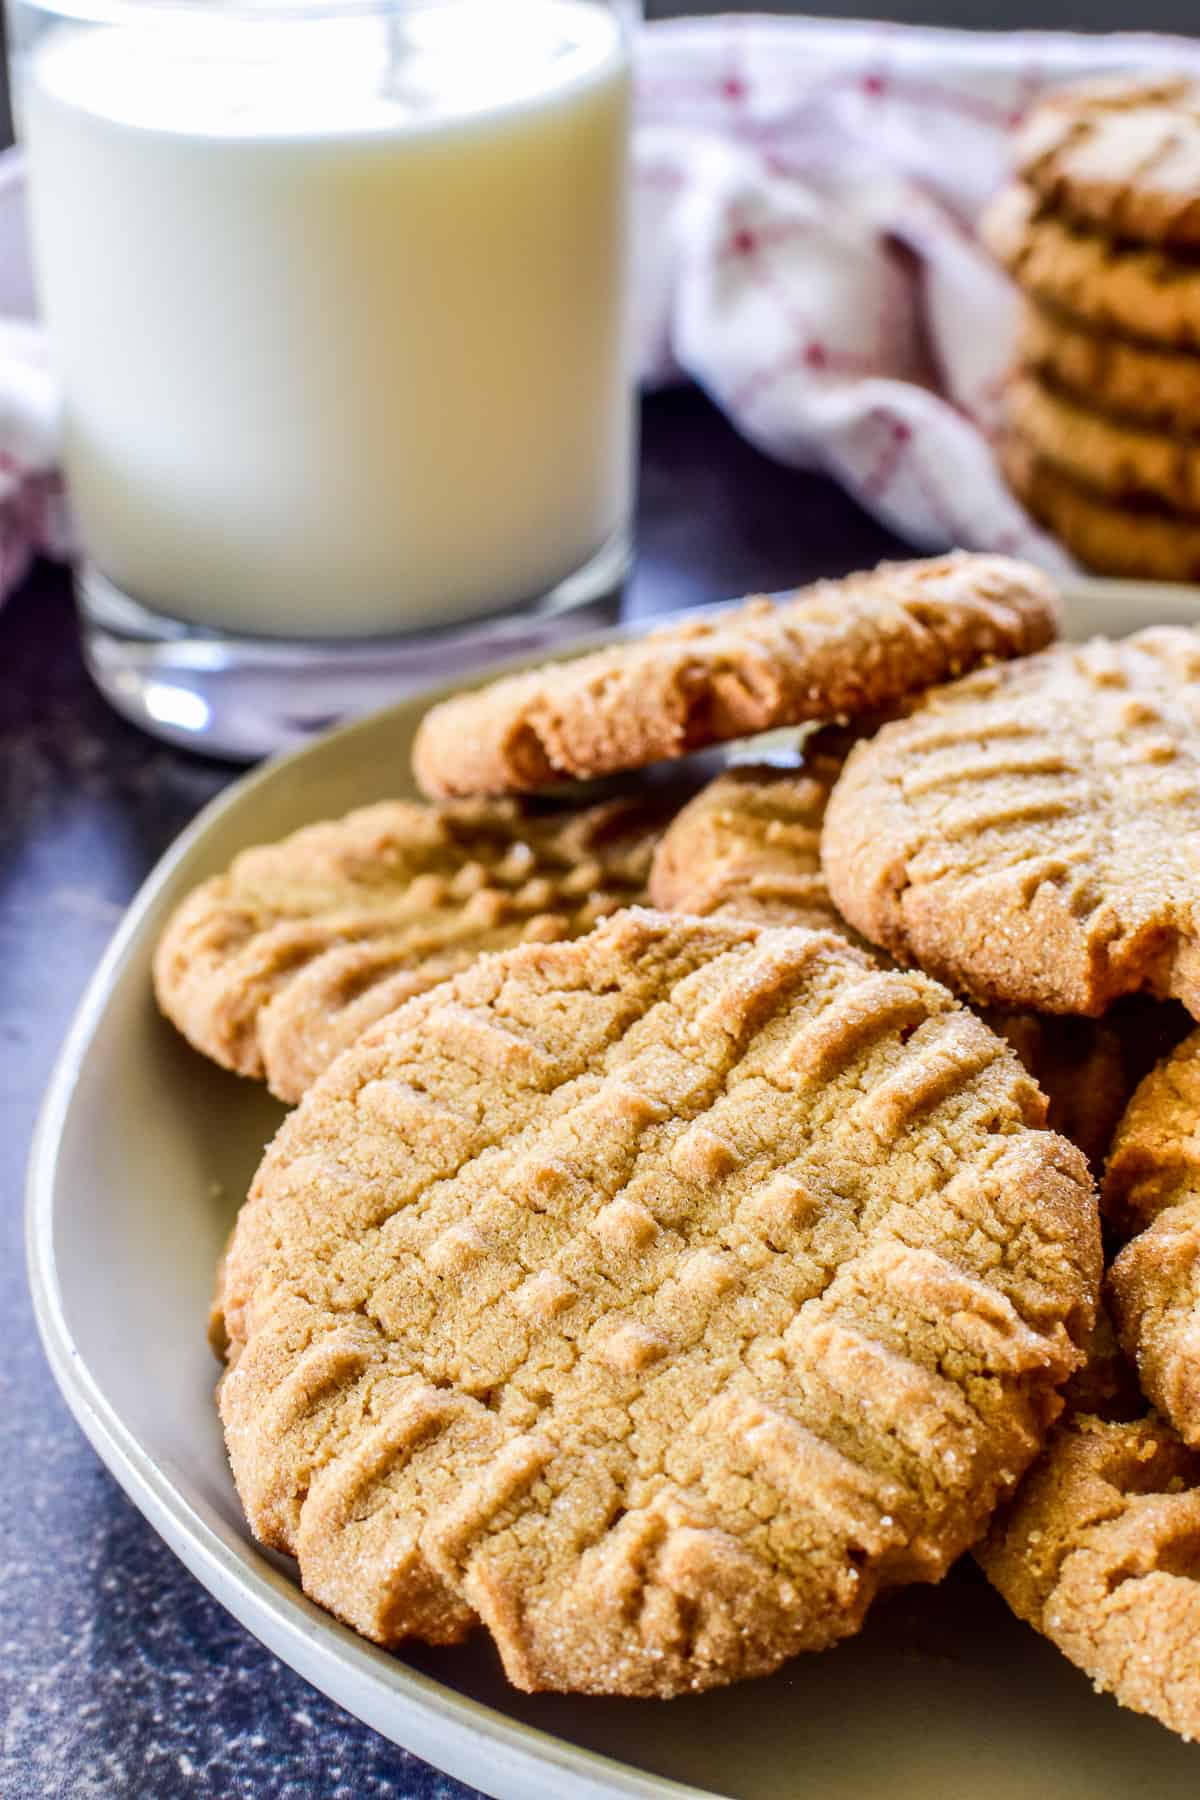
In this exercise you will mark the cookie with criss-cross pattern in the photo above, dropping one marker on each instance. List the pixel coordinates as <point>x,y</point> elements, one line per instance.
<point>657,1298</point>
<point>1098,1553</point>
<point>748,847</point>
<point>1029,834</point>
<point>840,648</point>
<point>1138,289</point>
<point>1121,153</point>
<point>277,965</point>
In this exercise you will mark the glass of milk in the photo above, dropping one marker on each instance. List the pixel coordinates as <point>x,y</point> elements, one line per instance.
<point>335,293</point>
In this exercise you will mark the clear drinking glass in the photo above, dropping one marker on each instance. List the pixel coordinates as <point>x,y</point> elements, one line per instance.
<point>335,292</point>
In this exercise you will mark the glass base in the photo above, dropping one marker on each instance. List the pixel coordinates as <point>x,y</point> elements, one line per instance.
<point>240,698</point>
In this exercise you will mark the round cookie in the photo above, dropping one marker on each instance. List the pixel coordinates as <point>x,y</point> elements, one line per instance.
<point>1121,153</point>
<point>1140,291</point>
<point>1140,542</point>
<point>1097,1552</point>
<point>1128,463</point>
<point>1029,834</point>
<point>749,844</point>
<point>1159,388</point>
<point>838,648</point>
<point>1152,1191</point>
<point>273,968</point>
<point>748,847</point>
<point>658,1298</point>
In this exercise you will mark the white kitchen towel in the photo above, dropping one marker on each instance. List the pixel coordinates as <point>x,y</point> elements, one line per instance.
<point>807,194</point>
<point>805,200</point>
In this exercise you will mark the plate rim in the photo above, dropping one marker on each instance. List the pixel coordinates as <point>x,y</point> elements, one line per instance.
<point>298,1626</point>
<point>298,1630</point>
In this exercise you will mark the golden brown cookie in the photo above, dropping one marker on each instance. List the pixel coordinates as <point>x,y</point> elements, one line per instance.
<point>1098,1552</point>
<point>1144,541</point>
<point>1029,834</point>
<point>658,1297</point>
<point>748,845</point>
<point>1141,291</point>
<point>1152,1194</point>
<point>274,967</point>
<point>1159,388</point>
<point>1121,153</point>
<point>838,648</point>
<point>1125,462</point>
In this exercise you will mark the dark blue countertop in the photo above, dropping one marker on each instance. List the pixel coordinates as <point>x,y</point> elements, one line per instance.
<point>119,1676</point>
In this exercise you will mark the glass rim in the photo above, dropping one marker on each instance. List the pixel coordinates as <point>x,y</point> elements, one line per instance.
<point>110,12</point>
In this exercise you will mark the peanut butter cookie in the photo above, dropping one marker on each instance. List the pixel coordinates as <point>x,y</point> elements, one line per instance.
<point>1098,1553</point>
<point>839,648</point>
<point>1126,462</point>
<point>1029,834</point>
<point>276,966</point>
<point>1139,290</point>
<point>1159,388</point>
<point>1152,1191</point>
<point>1121,153</point>
<point>1142,541</point>
<point>748,847</point>
<point>658,1298</point>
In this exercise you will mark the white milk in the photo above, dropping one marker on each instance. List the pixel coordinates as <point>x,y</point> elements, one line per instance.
<point>341,338</point>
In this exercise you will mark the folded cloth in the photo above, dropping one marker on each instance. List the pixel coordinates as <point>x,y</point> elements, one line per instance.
<point>805,198</point>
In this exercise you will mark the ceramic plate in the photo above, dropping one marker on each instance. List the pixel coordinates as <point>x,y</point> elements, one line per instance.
<point>141,1156</point>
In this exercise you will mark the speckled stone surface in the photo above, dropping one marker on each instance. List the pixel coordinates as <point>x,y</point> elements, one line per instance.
<point>119,1676</point>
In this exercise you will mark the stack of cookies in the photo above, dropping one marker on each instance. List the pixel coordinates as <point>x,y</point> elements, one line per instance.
<point>1101,232</point>
<point>685,1229</point>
